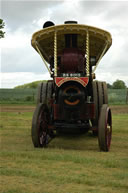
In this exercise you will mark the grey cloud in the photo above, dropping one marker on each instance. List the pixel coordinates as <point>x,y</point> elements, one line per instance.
<point>93,7</point>
<point>22,60</point>
<point>22,13</point>
<point>112,13</point>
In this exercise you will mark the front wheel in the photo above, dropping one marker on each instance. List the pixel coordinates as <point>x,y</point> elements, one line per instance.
<point>105,128</point>
<point>40,126</point>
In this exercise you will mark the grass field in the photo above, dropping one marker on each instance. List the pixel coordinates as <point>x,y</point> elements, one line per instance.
<point>70,164</point>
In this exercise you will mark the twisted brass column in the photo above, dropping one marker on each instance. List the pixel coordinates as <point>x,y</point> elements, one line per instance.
<point>87,54</point>
<point>55,53</point>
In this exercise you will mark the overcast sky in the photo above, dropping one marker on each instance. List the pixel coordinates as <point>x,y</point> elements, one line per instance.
<point>21,64</point>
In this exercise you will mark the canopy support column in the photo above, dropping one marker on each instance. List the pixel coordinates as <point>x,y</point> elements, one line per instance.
<point>87,54</point>
<point>103,52</point>
<point>55,53</point>
<point>43,59</point>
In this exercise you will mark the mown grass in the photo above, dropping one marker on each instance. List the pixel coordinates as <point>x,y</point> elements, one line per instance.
<point>70,164</point>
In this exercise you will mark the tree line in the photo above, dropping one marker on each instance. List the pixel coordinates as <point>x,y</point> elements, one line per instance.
<point>118,84</point>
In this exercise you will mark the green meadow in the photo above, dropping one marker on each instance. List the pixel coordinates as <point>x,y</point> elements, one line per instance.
<point>70,164</point>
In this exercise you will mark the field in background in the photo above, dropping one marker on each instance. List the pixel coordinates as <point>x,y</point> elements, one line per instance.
<point>70,164</point>
<point>18,95</point>
<point>115,96</point>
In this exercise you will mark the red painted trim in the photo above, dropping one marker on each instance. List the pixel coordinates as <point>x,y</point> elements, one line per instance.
<point>82,80</point>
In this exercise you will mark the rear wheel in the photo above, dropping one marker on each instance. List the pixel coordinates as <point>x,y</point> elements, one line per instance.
<point>42,93</point>
<point>49,92</point>
<point>100,97</point>
<point>105,93</point>
<point>39,91</point>
<point>95,99</point>
<point>105,128</point>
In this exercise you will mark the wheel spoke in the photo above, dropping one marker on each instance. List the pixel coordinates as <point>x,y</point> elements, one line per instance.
<point>42,137</point>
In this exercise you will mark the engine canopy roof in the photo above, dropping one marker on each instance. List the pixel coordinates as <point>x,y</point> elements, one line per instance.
<point>98,39</point>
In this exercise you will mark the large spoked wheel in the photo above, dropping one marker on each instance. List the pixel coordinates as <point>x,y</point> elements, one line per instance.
<point>95,98</point>
<point>39,90</point>
<point>39,130</point>
<point>49,92</point>
<point>105,128</point>
<point>100,97</point>
<point>42,93</point>
<point>105,93</point>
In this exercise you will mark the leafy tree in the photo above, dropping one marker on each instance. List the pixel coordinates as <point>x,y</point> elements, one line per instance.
<point>2,24</point>
<point>119,84</point>
<point>109,85</point>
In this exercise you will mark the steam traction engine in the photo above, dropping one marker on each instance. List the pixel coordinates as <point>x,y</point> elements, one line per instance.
<point>73,100</point>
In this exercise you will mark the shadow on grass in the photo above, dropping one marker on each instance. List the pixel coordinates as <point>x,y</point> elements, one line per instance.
<point>86,142</point>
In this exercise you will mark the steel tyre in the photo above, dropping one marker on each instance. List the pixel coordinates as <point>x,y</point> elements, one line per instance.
<point>100,96</point>
<point>95,98</point>
<point>44,93</point>
<point>105,93</point>
<point>39,92</point>
<point>49,92</point>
